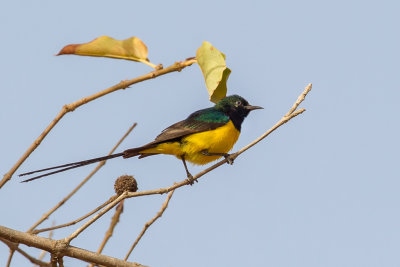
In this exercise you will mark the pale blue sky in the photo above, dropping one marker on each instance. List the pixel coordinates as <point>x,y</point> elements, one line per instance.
<point>323,190</point>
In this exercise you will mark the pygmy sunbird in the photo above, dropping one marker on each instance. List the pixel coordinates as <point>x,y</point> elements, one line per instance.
<point>205,136</point>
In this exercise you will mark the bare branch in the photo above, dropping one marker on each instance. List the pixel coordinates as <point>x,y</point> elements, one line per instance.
<point>177,66</point>
<point>96,217</point>
<point>101,164</point>
<point>300,99</point>
<point>290,115</point>
<point>14,247</point>
<point>77,220</point>
<point>282,121</point>
<point>43,252</point>
<point>114,221</point>
<point>61,248</point>
<point>53,260</point>
<point>124,195</point>
<point>10,256</point>
<point>149,223</point>
<point>60,262</point>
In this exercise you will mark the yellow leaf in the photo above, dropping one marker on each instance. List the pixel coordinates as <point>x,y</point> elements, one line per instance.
<point>130,49</point>
<point>212,64</point>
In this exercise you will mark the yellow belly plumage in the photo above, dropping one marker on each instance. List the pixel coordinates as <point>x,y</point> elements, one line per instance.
<point>220,140</point>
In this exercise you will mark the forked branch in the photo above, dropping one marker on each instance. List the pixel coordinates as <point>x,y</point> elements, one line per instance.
<point>290,115</point>
<point>62,248</point>
<point>149,223</point>
<point>101,164</point>
<point>178,66</point>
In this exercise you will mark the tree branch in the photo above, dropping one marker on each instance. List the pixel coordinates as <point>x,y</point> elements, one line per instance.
<point>60,248</point>
<point>14,247</point>
<point>75,221</point>
<point>177,66</point>
<point>10,256</point>
<point>283,120</point>
<point>300,99</point>
<point>43,252</point>
<point>101,164</point>
<point>288,116</point>
<point>114,221</point>
<point>96,217</point>
<point>149,223</point>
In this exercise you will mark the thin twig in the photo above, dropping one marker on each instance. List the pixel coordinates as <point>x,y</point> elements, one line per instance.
<point>149,223</point>
<point>148,63</point>
<point>288,116</point>
<point>53,260</point>
<point>60,262</point>
<point>114,221</point>
<point>43,252</point>
<point>63,245</point>
<point>177,66</point>
<point>102,163</point>
<point>14,246</point>
<point>10,256</point>
<point>282,121</point>
<point>124,195</point>
<point>97,216</point>
<point>77,220</point>
<point>300,99</point>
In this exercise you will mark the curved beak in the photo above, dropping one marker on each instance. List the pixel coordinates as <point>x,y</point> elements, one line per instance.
<point>250,107</point>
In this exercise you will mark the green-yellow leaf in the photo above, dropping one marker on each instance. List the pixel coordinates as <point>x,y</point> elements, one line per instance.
<point>212,64</point>
<point>130,49</point>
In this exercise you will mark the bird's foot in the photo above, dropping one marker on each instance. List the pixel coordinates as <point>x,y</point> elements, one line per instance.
<point>229,158</point>
<point>190,180</point>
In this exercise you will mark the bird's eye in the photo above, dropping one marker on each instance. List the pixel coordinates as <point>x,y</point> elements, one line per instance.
<point>238,103</point>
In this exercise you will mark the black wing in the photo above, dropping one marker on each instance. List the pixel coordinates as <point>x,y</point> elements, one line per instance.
<point>199,121</point>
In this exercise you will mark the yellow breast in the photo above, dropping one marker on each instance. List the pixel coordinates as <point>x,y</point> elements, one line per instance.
<point>220,140</point>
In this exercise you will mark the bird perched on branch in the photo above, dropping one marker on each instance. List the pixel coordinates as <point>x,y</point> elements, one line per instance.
<point>206,135</point>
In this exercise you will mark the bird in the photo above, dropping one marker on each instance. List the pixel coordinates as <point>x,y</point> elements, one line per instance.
<point>204,136</point>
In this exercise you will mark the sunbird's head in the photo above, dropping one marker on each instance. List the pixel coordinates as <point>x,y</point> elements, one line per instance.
<point>235,105</point>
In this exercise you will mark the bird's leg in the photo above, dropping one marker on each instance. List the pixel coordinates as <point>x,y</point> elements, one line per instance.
<point>189,175</point>
<point>227,156</point>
